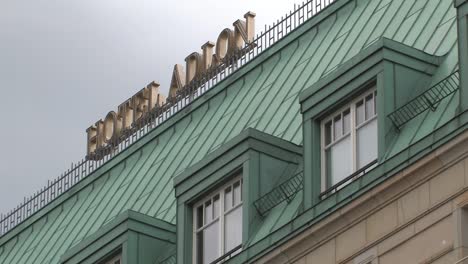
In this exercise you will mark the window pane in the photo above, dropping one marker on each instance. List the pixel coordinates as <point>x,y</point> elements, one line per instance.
<point>200,216</point>
<point>339,161</point>
<point>338,127</point>
<point>369,107</point>
<point>211,243</point>
<point>216,206</point>
<point>346,122</point>
<point>227,199</point>
<point>367,143</point>
<point>233,229</point>
<point>200,247</point>
<point>328,133</point>
<point>375,103</point>
<point>208,212</point>
<point>237,193</point>
<point>360,115</point>
<point>328,166</point>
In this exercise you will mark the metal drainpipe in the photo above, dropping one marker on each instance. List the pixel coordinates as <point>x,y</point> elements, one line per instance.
<point>462,30</point>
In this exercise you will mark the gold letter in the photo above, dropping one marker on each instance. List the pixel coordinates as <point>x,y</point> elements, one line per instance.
<point>250,18</point>
<point>155,98</point>
<point>140,103</point>
<point>99,134</point>
<point>193,66</point>
<point>125,112</point>
<point>112,127</point>
<point>224,44</point>
<point>207,55</point>
<point>177,80</point>
<point>244,31</point>
<point>92,139</point>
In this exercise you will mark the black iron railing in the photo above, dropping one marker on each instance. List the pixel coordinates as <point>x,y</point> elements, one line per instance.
<point>348,179</point>
<point>283,192</point>
<point>169,260</point>
<point>429,99</point>
<point>227,256</point>
<point>159,115</point>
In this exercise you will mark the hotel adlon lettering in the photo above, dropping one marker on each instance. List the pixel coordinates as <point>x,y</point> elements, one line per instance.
<point>109,130</point>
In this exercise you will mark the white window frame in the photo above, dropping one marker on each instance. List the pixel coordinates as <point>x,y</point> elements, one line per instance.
<point>353,128</point>
<point>221,192</point>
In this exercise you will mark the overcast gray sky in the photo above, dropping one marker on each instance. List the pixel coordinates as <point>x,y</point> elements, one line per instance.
<point>65,64</point>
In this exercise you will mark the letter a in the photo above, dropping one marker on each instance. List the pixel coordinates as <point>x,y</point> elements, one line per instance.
<point>177,80</point>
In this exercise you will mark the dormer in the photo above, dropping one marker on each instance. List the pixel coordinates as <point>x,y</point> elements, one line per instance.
<point>131,237</point>
<point>218,209</point>
<point>354,114</point>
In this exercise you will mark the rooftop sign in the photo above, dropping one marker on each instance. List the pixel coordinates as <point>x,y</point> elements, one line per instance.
<point>82,169</point>
<point>117,126</point>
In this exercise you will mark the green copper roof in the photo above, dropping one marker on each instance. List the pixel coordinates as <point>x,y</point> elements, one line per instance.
<point>262,95</point>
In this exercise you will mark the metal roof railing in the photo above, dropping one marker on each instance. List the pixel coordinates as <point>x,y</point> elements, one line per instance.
<point>285,191</point>
<point>348,179</point>
<point>228,255</point>
<point>429,99</point>
<point>159,115</point>
<point>169,260</point>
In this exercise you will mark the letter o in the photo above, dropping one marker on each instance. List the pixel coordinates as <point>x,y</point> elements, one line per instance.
<point>224,44</point>
<point>194,64</point>
<point>111,127</point>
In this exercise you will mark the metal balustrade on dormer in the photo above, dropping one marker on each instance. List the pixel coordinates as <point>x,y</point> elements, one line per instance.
<point>283,192</point>
<point>341,184</point>
<point>169,260</point>
<point>429,99</point>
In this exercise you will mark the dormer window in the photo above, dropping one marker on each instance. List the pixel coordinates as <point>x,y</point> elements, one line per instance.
<point>349,139</point>
<point>218,223</point>
<point>213,204</point>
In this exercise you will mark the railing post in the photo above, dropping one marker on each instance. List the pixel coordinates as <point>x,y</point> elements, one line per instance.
<point>462,26</point>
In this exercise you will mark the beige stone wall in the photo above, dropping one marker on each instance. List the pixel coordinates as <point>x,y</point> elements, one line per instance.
<point>418,216</point>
